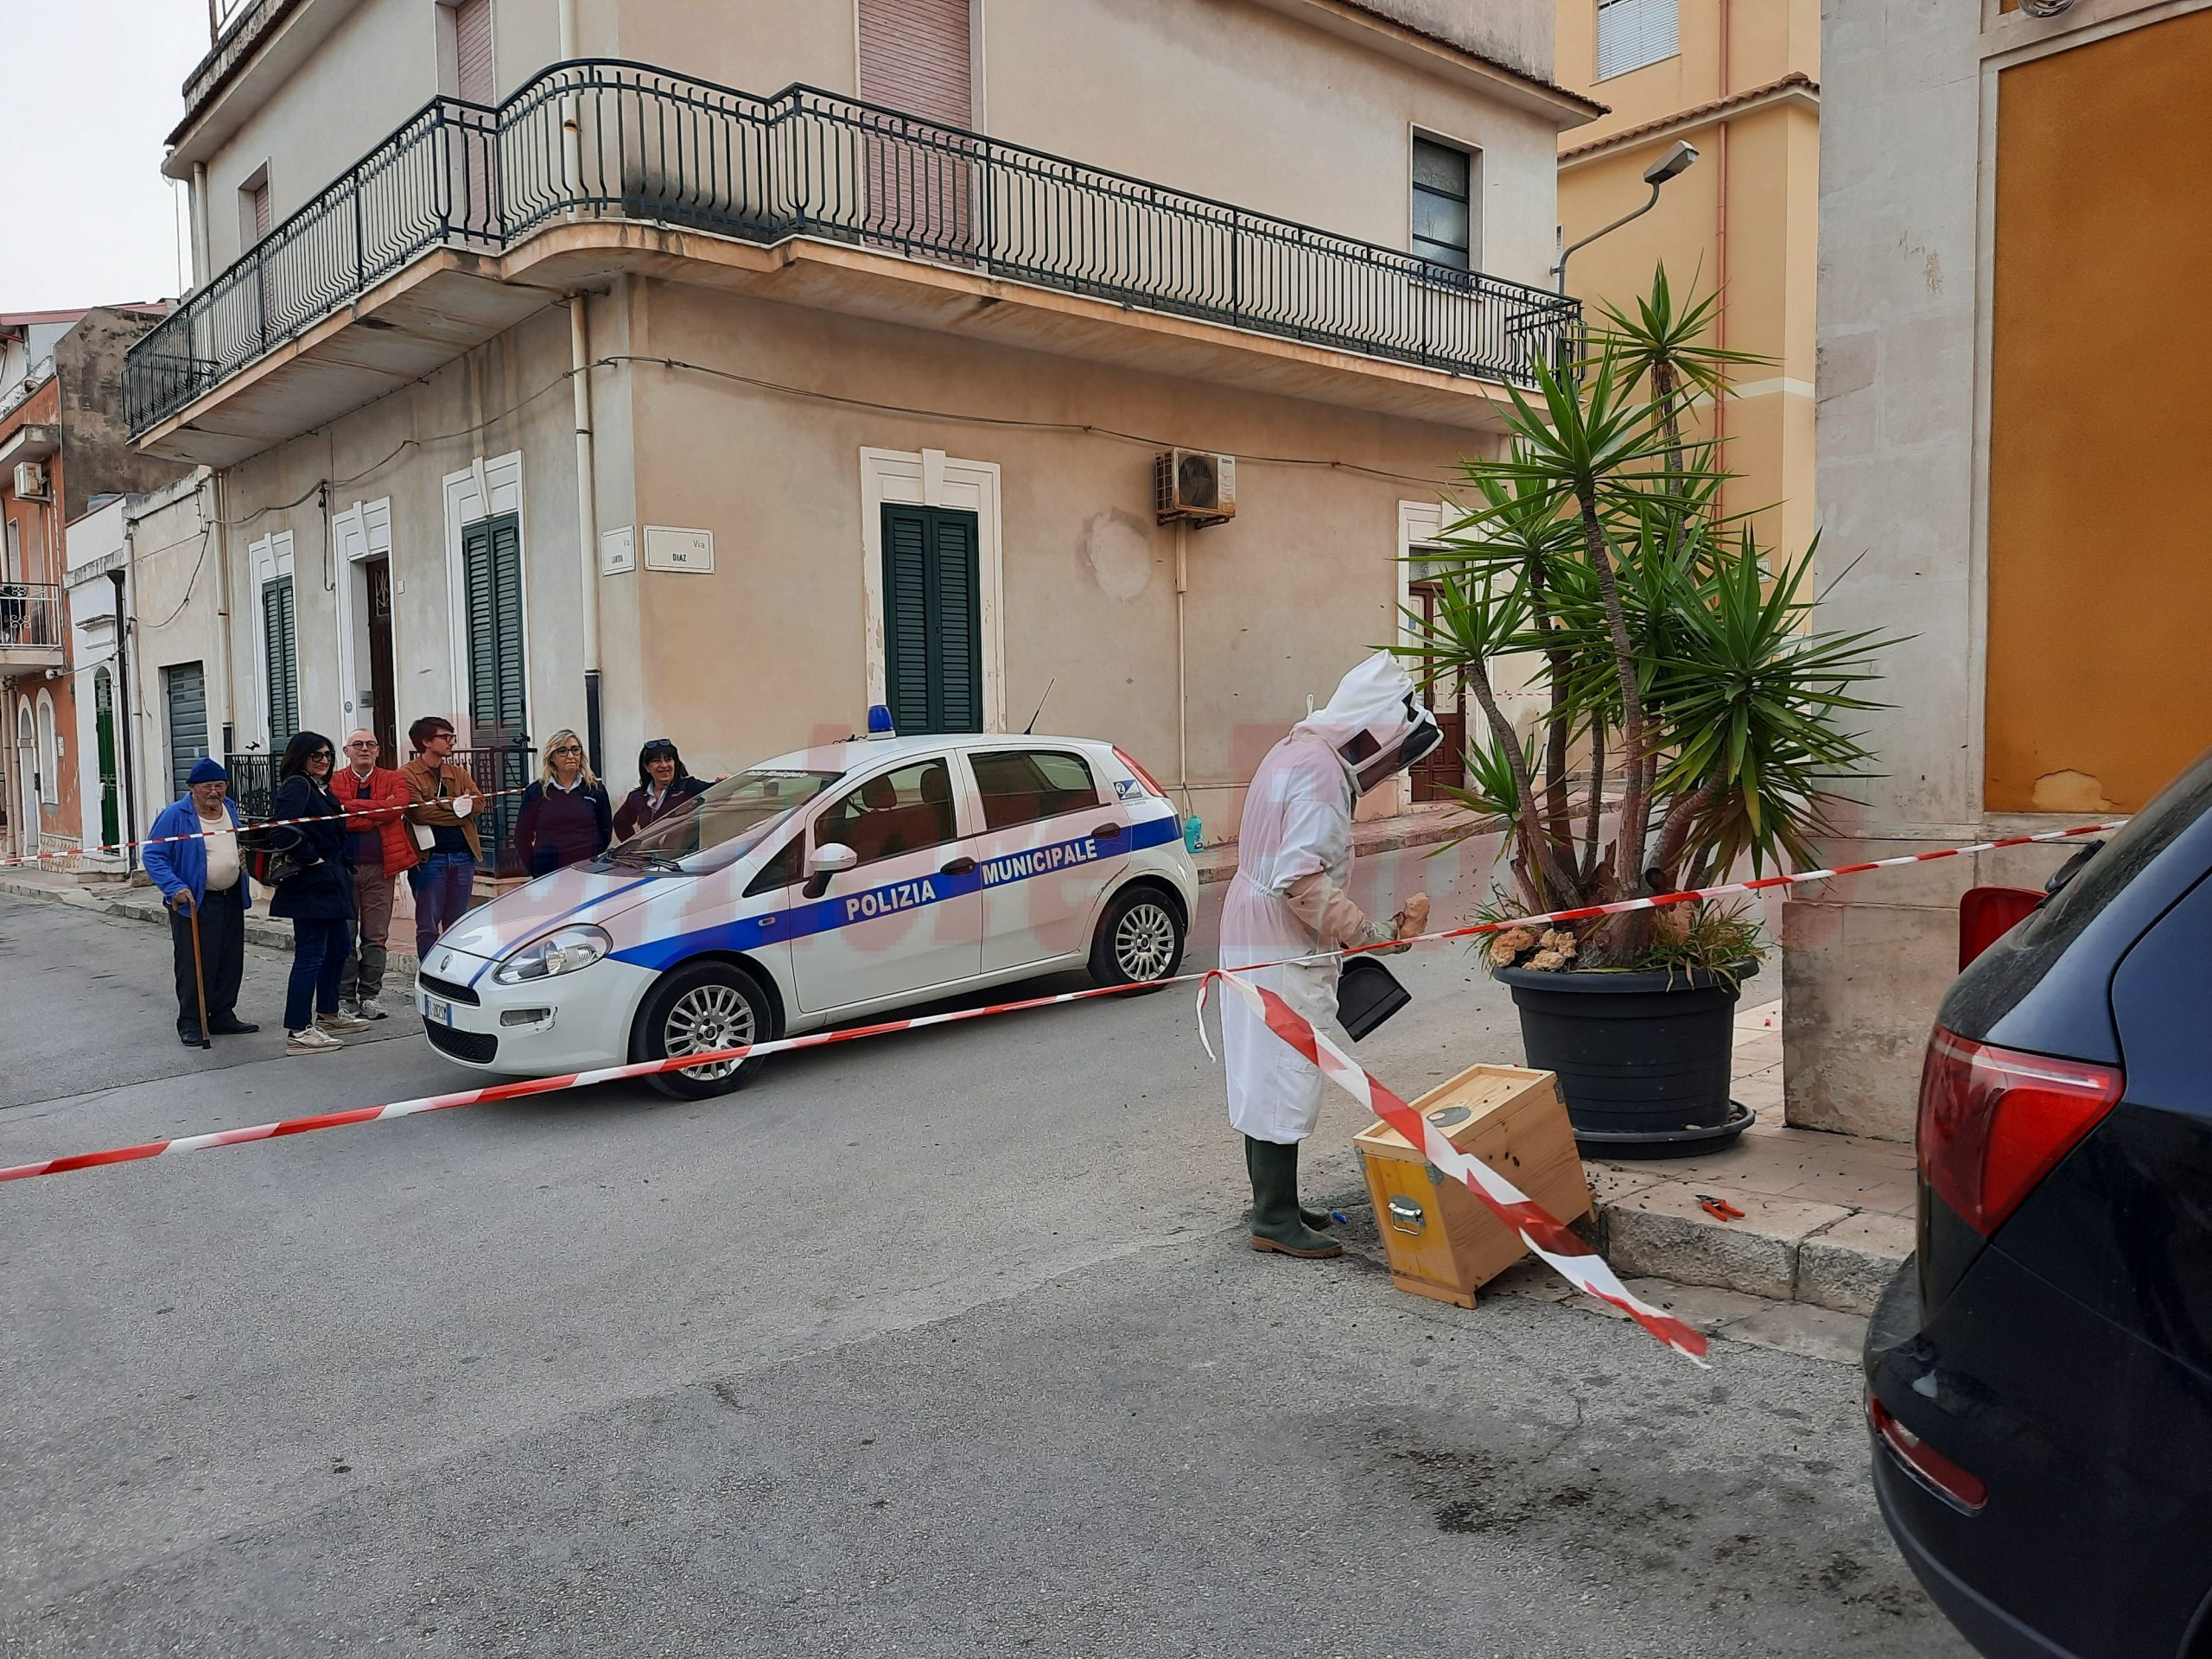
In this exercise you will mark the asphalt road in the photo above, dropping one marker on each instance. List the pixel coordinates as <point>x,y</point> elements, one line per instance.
<point>943,1343</point>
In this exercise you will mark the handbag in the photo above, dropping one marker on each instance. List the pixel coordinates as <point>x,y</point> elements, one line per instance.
<point>271,866</point>
<point>1367,995</point>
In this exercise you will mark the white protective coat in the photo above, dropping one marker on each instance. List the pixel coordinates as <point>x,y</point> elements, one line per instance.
<point>1296,834</point>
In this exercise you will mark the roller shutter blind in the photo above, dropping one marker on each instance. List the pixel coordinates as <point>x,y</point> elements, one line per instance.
<point>184,693</point>
<point>472,39</point>
<point>1632,33</point>
<point>933,620</point>
<point>915,56</point>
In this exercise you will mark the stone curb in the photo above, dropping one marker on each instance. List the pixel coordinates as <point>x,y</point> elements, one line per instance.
<point>1783,1250</point>
<point>137,905</point>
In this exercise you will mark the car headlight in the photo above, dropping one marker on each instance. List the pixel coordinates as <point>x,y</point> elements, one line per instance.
<point>561,951</point>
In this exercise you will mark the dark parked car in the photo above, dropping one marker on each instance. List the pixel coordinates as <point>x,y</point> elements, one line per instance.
<point>2039,1375</point>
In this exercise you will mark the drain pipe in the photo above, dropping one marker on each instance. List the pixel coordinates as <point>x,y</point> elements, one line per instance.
<point>587,523</point>
<point>1182,685</point>
<point>580,380</point>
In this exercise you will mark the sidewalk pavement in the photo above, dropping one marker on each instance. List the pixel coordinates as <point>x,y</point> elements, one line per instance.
<point>1828,1219</point>
<point>138,902</point>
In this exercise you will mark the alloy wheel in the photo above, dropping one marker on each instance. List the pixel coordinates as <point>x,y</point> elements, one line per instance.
<point>1144,943</point>
<point>706,1018</point>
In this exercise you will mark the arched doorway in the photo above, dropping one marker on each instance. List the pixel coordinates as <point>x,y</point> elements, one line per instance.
<point>104,724</point>
<point>27,779</point>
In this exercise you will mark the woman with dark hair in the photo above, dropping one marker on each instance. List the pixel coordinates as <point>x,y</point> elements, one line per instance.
<point>318,896</point>
<point>663,784</point>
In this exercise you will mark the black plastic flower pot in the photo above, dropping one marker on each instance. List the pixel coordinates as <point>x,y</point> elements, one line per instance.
<point>1643,1058</point>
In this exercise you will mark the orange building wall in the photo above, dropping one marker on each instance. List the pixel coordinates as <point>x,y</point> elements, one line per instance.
<point>2099,672</point>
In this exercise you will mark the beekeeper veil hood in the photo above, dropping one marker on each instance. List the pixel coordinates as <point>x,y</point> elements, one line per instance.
<point>1376,722</point>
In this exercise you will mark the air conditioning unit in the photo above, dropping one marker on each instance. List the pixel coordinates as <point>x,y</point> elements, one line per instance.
<point>30,481</point>
<point>1195,487</point>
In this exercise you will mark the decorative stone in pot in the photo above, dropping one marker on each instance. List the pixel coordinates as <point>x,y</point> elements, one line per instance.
<point>1643,1059</point>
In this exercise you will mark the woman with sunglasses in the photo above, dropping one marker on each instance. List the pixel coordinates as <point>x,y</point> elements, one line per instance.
<point>565,817</point>
<point>318,896</point>
<point>663,784</point>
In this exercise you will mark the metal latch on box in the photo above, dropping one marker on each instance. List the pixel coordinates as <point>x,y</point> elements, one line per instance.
<point>1406,1214</point>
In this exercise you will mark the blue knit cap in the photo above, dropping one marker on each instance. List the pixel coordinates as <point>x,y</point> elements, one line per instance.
<point>207,770</point>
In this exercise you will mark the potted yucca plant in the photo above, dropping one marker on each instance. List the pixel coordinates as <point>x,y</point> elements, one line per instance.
<point>1693,720</point>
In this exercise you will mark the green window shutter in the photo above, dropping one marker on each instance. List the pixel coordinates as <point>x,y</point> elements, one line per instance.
<point>933,620</point>
<point>280,660</point>
<point>491,585</point>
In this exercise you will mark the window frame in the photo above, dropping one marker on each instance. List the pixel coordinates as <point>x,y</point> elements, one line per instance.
<point>982,797</point>
<point>47,728</point>
<point>959,831</point>
<point>1472,155</point>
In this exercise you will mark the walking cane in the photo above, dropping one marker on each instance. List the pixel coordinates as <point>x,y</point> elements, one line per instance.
<point>199,976</point>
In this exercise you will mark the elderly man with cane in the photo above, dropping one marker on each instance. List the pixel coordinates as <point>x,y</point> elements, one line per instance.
<point>192,853</point>
<point>1287,901</point>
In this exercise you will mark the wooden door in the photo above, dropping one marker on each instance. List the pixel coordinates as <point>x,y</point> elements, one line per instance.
<point>382,716</point>
<point>1446,767</point>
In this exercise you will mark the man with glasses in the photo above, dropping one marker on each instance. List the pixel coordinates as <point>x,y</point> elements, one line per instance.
<point>376,800</point>
<point>442,821</point>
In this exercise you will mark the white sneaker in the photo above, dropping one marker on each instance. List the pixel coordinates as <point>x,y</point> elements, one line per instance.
<point>310,1041</point>
<point>365,1009</point>
<point>341,1020</point>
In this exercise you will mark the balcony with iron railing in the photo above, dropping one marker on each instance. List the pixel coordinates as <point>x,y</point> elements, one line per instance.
<point>468,193</point>
<point>33,621</point>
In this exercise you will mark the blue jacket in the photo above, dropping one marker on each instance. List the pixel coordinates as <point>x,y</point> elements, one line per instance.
<point>182,865</point>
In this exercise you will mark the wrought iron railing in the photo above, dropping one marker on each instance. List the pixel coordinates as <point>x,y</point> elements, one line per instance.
<point>501,772</point>
<point>609,140</point>
<point>31,616</point>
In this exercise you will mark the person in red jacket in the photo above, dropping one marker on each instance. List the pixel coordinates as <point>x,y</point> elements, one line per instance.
<point>375,798</point>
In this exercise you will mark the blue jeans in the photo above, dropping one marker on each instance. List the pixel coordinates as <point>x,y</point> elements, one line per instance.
<point>319,948</point>
<point>444,883</point>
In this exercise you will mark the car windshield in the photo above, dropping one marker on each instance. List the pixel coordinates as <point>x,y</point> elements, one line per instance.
<point>722,823</point>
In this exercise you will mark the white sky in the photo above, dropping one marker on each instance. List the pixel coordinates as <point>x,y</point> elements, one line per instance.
<point>93,87</point>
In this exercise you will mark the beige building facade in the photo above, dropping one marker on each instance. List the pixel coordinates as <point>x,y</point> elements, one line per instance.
<point>2009,229</point>
<point>737,411</point>
<point>1740,81</point>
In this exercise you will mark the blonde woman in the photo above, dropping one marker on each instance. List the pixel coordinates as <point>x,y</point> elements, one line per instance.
<point>565,817</point>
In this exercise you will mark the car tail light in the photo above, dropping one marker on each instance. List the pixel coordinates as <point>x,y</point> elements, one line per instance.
<point>1151,784</point>
<point>1962,1491</point>
<point>1994,1121</point>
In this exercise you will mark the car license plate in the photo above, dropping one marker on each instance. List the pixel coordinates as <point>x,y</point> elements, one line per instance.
<point>434,1009</point>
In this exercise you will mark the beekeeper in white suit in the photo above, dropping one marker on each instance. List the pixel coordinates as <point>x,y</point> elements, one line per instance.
<point>1288,899</point>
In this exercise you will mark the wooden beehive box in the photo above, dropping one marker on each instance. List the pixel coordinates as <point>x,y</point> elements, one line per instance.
<point>1442,1242</point>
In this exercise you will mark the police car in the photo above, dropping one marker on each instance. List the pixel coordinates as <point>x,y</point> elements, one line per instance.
<point>815,889</point>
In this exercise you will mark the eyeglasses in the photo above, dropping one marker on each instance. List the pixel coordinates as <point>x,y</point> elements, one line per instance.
<point>569,748</point>
<point>321,754</point>
<point>362,744</point>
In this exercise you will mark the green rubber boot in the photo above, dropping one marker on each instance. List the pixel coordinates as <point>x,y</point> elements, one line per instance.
<point>1277,1223</point>
<point>1317,1219</point>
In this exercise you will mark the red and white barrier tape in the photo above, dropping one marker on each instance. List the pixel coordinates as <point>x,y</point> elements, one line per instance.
<point>1538,1228</point>
<point>1731,889</point>
<point>528,1086</point>
<point>241,827</point>
<point>816,1040</point>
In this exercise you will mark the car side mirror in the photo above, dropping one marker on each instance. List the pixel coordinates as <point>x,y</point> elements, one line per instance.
<point>831,858</point>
